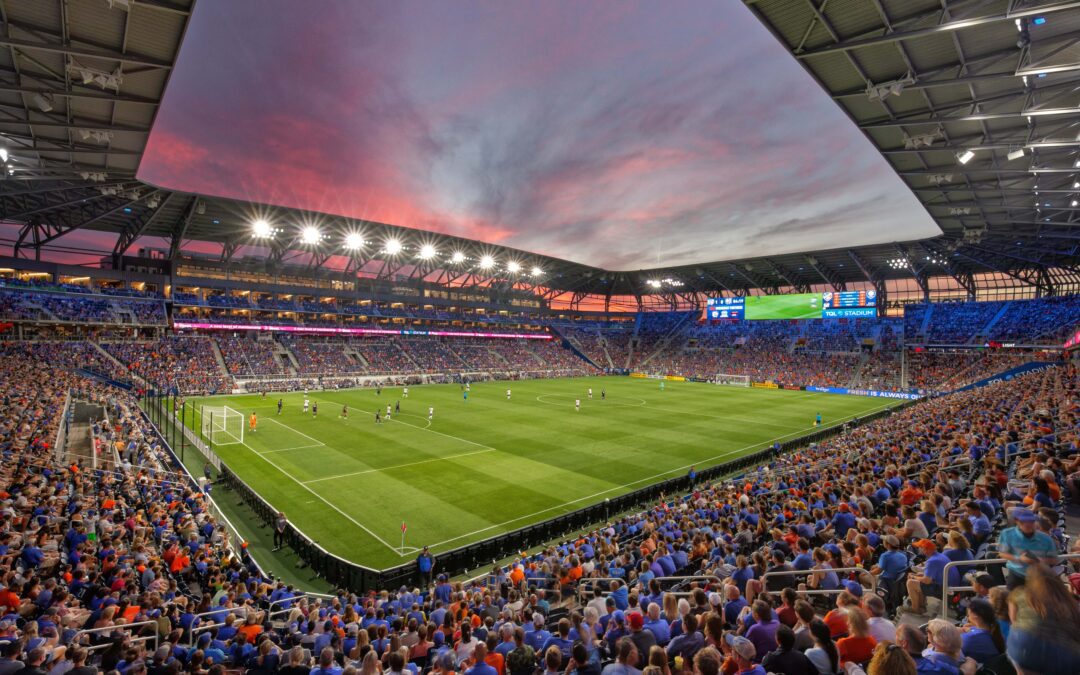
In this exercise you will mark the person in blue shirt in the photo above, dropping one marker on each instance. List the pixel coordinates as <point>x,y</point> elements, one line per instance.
<point>479,666</point>
<point>537,637</point>
<point>982,639</point>
<point>893,562</point>
<point>326,664</point>
<point>1024,545</point>
<point>425,563</point>
<point>980,524</point>
<point>929,582</point>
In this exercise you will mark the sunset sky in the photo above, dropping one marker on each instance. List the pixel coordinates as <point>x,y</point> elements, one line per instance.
<point>617,134</point>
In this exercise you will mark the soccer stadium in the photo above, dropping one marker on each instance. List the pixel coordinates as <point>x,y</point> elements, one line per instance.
<point>703,338</point>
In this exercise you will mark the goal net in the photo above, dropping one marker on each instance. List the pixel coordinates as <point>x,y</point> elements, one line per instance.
<point>733,380</point>
<point>222,425</point>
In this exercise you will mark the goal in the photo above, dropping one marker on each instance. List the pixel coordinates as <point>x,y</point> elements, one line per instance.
<point>222,425</point>
<point>732,380</point>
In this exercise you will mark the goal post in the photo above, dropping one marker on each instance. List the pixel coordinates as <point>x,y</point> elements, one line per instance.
<point>732,380</point>
<point>221,425</point>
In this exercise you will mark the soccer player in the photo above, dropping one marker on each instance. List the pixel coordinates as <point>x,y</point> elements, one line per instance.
<point>577,404</point>
<point>305,405</point>
<point>590,393</point>
<point>397,407</point>
<point>467,386</point>
<point>315,409</point>
<point>279,402</point>
<point>252,422</point>
<point>430,412</point>
<point>264,394</point>
<point>603,394</point>
<point>344,412</point>
<point>378,390</point>
<point>661,385</point>
<point>507,394</point>
<point>817,420</point>
<point>388,411</point>
<point>378,420</point>
<point>405,393</point>
<point>465,395</point>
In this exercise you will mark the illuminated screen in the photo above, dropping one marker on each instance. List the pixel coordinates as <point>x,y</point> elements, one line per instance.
<point>794,306</point>
<point>828,305</point>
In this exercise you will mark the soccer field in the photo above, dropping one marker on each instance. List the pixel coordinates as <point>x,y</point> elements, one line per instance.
<point>486,466</point>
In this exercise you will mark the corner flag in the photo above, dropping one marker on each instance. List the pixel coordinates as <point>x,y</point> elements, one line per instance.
<point>403,528</point>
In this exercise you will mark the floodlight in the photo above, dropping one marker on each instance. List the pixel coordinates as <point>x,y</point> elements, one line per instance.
<point>965,156</point>
<point>310,235</point>
<point>3,154</point>
<point>427,252</point>
<point>1076,184</point>
<point>487,262</point>
<point>537,272</point>
<point>1073,203</point>
<point>1015,154</point>
<point>458,257</point>
<point>392,247</point>
<point>261,229</point>
<point>513,267</point>
<point>353,241</point>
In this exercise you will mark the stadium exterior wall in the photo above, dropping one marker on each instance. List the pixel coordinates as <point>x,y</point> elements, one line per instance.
<point>355,577</point>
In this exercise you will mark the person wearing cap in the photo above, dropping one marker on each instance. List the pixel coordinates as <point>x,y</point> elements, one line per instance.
<point>927,582</point>
<point>537,637</point>
<point>744,653</point>
<point>892,563</point>
<point>643,640</point>
<point>1023,545</point>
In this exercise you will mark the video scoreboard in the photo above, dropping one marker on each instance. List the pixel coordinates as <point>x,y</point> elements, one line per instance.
<point>827,305</point>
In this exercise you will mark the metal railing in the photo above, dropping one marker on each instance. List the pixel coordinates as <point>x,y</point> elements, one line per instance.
<point>819,591</point>
<point>108,630</point>
<point>946,588</point>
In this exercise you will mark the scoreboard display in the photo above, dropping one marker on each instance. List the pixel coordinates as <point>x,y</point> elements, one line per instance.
<point>848,304</point>
<point>725,308</point>
<point>827,305</point>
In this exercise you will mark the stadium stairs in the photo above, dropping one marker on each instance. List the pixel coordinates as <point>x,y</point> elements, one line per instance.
<point>224,369</point>
<point>575,347</point>
<point>665,341</point>
<point>987,330</point>
<point>921,335</point>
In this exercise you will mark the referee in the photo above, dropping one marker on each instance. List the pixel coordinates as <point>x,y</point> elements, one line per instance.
<point>280,522</point>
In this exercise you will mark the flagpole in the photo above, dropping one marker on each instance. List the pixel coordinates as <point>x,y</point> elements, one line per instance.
<point>403,537</point>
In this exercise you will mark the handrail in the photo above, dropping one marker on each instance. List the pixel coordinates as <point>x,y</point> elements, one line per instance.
<point>691,577</point>
<point>594,581</point>
<point>120,627</point>
<point>819,591</point>
<point>945,588</point>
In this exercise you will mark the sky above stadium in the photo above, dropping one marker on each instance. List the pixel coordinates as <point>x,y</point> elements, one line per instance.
<point>617,134</point>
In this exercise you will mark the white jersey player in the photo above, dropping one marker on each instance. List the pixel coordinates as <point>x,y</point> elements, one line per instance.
<point>405,393</point>
<point>305,404</point>
<point>590,393</point>
<point>430,412</point>
<point>387,411</point>
<point>507,394</point>
<point>577,404</point>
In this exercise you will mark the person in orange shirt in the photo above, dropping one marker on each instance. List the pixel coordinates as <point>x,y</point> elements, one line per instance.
<point>253,421</point>
<point>494,658</point>
<point>858,646</point>
<point>251,629</point>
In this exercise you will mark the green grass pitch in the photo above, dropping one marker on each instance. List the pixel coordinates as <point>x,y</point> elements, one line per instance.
<point>797,306</point>
<point>486,466</point>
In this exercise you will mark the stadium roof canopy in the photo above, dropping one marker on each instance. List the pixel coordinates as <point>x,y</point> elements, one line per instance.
<point>975,103</point>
